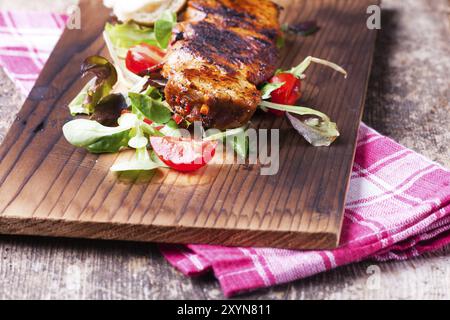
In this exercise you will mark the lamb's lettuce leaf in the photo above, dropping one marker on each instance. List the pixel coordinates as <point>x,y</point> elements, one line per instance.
<point>236,138</point>
<point>139,140</point>
<point>149,108</point>
<point>95,137</point>
<point>110,144</point>
<point>315,126</point>
<point>299,71</point>
<point>141,162</point>
<point>268,88</point>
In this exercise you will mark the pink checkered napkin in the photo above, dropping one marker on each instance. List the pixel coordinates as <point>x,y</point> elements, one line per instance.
<point>398,205</point>
<point>26,41</point>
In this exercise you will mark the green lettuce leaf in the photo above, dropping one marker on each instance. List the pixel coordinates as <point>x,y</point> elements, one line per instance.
<point>153,93</point>
<point>151,109</point>
<point>151,130</point>
<point>124,36</point>
<point>139,140</point>
<point>163,28</point>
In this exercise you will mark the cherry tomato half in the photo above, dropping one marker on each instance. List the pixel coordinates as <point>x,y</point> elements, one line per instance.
<point>143,57</point>
<point>148,121</point>
<point>181,154</point>
<point>177,118</point>
<point>288,94</point>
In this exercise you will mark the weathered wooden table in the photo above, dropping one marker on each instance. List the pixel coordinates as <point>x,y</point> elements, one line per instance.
<point>408,100</point>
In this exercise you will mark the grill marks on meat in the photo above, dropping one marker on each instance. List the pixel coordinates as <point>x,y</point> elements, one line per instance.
<point>222,51</point>
<point>231,51</point>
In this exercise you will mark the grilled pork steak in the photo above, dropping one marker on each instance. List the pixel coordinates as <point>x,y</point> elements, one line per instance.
<point>222,51</point>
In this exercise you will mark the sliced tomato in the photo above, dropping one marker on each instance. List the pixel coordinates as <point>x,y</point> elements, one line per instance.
<point>288,94</point>
<point>143,57</point>
<point>177,118</point>
<point>148,121</point>
<point>181,154</point>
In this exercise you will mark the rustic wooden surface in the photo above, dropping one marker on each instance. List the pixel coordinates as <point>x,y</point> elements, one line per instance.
<point>50,188</point>
<point>408,100</point>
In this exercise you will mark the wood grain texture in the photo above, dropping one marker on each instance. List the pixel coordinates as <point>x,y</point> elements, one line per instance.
<point>49,188</point>
<point>40,268</point>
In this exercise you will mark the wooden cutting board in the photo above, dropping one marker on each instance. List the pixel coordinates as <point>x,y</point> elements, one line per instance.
<point>49,188</point>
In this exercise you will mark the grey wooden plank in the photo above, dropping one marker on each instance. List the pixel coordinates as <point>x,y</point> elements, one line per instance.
<point>39,268</point>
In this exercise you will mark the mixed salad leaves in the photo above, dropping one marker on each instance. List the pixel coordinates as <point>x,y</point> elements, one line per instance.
<point>127,110</point>
<point>284,90</point>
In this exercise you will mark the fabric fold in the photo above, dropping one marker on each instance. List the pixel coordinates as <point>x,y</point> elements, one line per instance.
<point>398,207</point>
